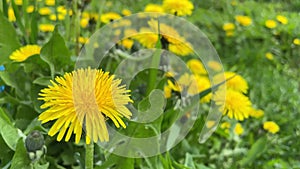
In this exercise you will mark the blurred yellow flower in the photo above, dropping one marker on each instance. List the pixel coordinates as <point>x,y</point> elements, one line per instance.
<point>178,8</point>
<point>84,22</point>
<point>84,100</point>
<point>270,24</point>
<point>236,105</point>
<point>44,11</point>
<point>50,2</point>
<point>228,27</point>
<point>126,12</point>
<point>167,92</point>
<point>109,17</point>
<point>225,125</point>
<point>271,127</point>
<point>269,56</point>
<point>25,52</point>
<point>146,37</point>
<point>30,9</point>
<point>46,27</point>
<point>181,48</point>
<point>214,65</point>
<point>238,129</point>
<point>256,113</point>
<point>19,2</point>
<point>154,8</point>
<point>229,33</point>
<point>83,40</point>
<point>210,123</point>
<point>196,66</point>
<point>127,43</point>
<point>61,17</point>
<point>282,19</point>
<point>203,83</point>
<point>11,15</point>
<point>296,41</point>
<point>243,20</point>
<point>237,82</point>
<point>62,10</point>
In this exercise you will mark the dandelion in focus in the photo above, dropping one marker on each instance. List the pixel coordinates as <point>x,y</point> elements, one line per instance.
<point>236,105</point>
<point>84,99</point>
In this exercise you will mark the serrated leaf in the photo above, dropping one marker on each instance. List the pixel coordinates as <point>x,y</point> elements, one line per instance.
<point>20,159</point>
<point>8,39</point>
<point>55,52</point>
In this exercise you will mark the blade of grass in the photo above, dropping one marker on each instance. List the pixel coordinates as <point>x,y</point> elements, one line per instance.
<point>19,21</point>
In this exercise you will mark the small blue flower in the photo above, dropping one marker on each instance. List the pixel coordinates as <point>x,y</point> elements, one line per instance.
<point>2,88</point>
<point>2,68</point>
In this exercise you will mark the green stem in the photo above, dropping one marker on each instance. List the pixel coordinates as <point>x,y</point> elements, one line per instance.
<point>153,71</point>
<point>89,156</point>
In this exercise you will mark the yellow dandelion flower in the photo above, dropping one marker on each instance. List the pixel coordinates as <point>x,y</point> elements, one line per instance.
<point>30,9</point>
<point>82,100</point>
<point>83,40</point>
<point>46,27</point>
<point>269,56</point>
<point>228,27</point>
<point>19,2</point>
<point>84,22</point>
<point>210,123</point>
<point>271,127</point>
<point>45,11</point>
<point>126,12</point>
<point>154,8</point>
<point>229,33</point>
<point>167,92</point>
<point>181,49</point>
<point>225,125</point>
<point>256,113</point>
<point>177,44</point>
<point>25,52</point>
<point>282,19</point>
<point>203,83</point>
<point>50,2</point>
<point>196,66</point>
<point>296,41</point>
<point>109,17</point>
<point>237,82</point>
<point>214,65</point>
<point>146,38</point>
<point>238,129</point>
<point>127,43</point>
<point>178,8</point>
<point>236,105</point>
<point>11,15</point>
<point>61,17</point>
<point>270,24</point>
<point>243,20</point>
